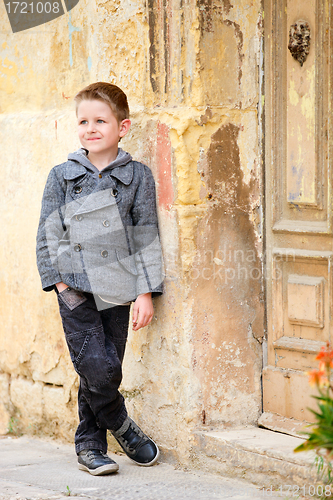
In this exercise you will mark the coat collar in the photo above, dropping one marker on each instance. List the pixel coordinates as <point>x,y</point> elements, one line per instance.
<point>74,170</point>
<point>123,173</point>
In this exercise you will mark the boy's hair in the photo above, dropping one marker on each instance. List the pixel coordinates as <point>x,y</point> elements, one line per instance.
<point>108,93</point>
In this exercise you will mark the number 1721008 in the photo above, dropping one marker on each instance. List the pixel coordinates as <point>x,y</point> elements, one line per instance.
<point>309,490</point>
<point>30,8</point>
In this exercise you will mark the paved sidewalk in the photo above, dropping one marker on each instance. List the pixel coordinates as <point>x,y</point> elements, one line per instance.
<point>32,469</point>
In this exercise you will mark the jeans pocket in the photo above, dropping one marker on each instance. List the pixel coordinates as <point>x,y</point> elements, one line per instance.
<point>89,357</point>
<point>72,298</point>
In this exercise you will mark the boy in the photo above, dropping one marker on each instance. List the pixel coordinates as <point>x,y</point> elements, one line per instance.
<point>98,248</point>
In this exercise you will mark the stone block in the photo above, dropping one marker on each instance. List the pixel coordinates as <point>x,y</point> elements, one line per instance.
<point>4,403</point>
<point>263,457</point>
<point>55,403</point>
<point>26,396</point>
<point>60,414</point>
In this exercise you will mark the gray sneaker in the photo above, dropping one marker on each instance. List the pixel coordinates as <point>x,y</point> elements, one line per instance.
<point>96,462</point>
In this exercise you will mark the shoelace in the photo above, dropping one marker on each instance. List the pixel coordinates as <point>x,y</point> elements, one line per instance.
<point>139,433</point>
<point>92,454</point>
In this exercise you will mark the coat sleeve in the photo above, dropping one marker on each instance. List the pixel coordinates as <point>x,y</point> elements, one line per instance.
<point>50,231</point>
<point>148,254</point>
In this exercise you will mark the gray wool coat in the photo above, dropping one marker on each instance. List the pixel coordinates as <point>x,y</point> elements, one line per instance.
<point>98,231</point>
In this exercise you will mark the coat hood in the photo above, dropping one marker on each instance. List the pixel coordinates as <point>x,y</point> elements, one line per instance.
<point>81,157</point>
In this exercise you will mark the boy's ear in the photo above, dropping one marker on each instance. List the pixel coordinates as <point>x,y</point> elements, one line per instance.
<point>124,127</point>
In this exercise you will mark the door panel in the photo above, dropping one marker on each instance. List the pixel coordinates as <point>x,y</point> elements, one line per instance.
<point>298,193</point>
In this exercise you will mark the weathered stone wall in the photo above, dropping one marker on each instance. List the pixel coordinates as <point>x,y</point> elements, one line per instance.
<point>190,70</point>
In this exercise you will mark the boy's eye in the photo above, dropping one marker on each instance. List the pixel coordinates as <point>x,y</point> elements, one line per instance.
<point>83,122</point>
<point>100,120</point>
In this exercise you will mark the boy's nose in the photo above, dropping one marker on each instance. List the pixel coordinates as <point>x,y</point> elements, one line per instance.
<point>91,127</point>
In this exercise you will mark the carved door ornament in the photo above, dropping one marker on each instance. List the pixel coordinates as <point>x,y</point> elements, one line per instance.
<point>299,41</point>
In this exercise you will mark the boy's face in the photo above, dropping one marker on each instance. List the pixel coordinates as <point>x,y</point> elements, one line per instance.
<point>98,128</point>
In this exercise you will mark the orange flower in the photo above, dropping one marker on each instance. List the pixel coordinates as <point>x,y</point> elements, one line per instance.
<point>325,356</point>
<point>317,377</point>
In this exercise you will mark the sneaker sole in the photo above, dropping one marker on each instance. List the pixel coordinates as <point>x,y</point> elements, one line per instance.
<point>100,471</point>
<point>149,464</point>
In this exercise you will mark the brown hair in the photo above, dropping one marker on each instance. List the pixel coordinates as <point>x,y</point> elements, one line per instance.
<point>108,93</point>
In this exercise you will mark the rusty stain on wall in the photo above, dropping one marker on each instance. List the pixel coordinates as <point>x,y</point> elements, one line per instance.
<point>226,281</point>
<point>163,161</point>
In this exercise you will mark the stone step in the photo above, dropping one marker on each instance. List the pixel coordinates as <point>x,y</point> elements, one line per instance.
<point>261,456</point>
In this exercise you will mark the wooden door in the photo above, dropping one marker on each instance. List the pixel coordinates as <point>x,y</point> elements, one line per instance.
<point>298,158</point>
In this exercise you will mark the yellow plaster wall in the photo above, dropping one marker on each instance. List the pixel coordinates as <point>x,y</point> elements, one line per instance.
<point>191,75</point>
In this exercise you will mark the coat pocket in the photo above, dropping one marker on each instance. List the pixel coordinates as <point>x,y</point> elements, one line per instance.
<point>128,263</point>
<point>112,278</point>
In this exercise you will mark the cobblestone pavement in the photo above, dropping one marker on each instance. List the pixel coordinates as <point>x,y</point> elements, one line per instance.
<point>33,469</point>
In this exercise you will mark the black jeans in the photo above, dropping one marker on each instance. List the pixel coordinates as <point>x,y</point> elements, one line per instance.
<point>96,341</point>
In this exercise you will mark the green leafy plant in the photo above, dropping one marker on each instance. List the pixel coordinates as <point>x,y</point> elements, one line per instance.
<point>13,426</point>
<point>320,434</point>
<point>324,470</point>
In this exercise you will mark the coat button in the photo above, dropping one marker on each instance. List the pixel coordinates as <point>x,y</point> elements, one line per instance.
<point>104,253</point>
<point>77,189</point>
<point>106,223</point>
<point>77,248</point>
<point>114,192</point>
<point>78,217</point>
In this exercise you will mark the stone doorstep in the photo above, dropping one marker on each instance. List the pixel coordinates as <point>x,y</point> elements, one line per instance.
<point>260,456</point>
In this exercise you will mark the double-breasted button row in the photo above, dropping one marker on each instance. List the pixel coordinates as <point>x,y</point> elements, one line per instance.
<point>78,248</point>
<point>106,222</point>
<point>78,190</point>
